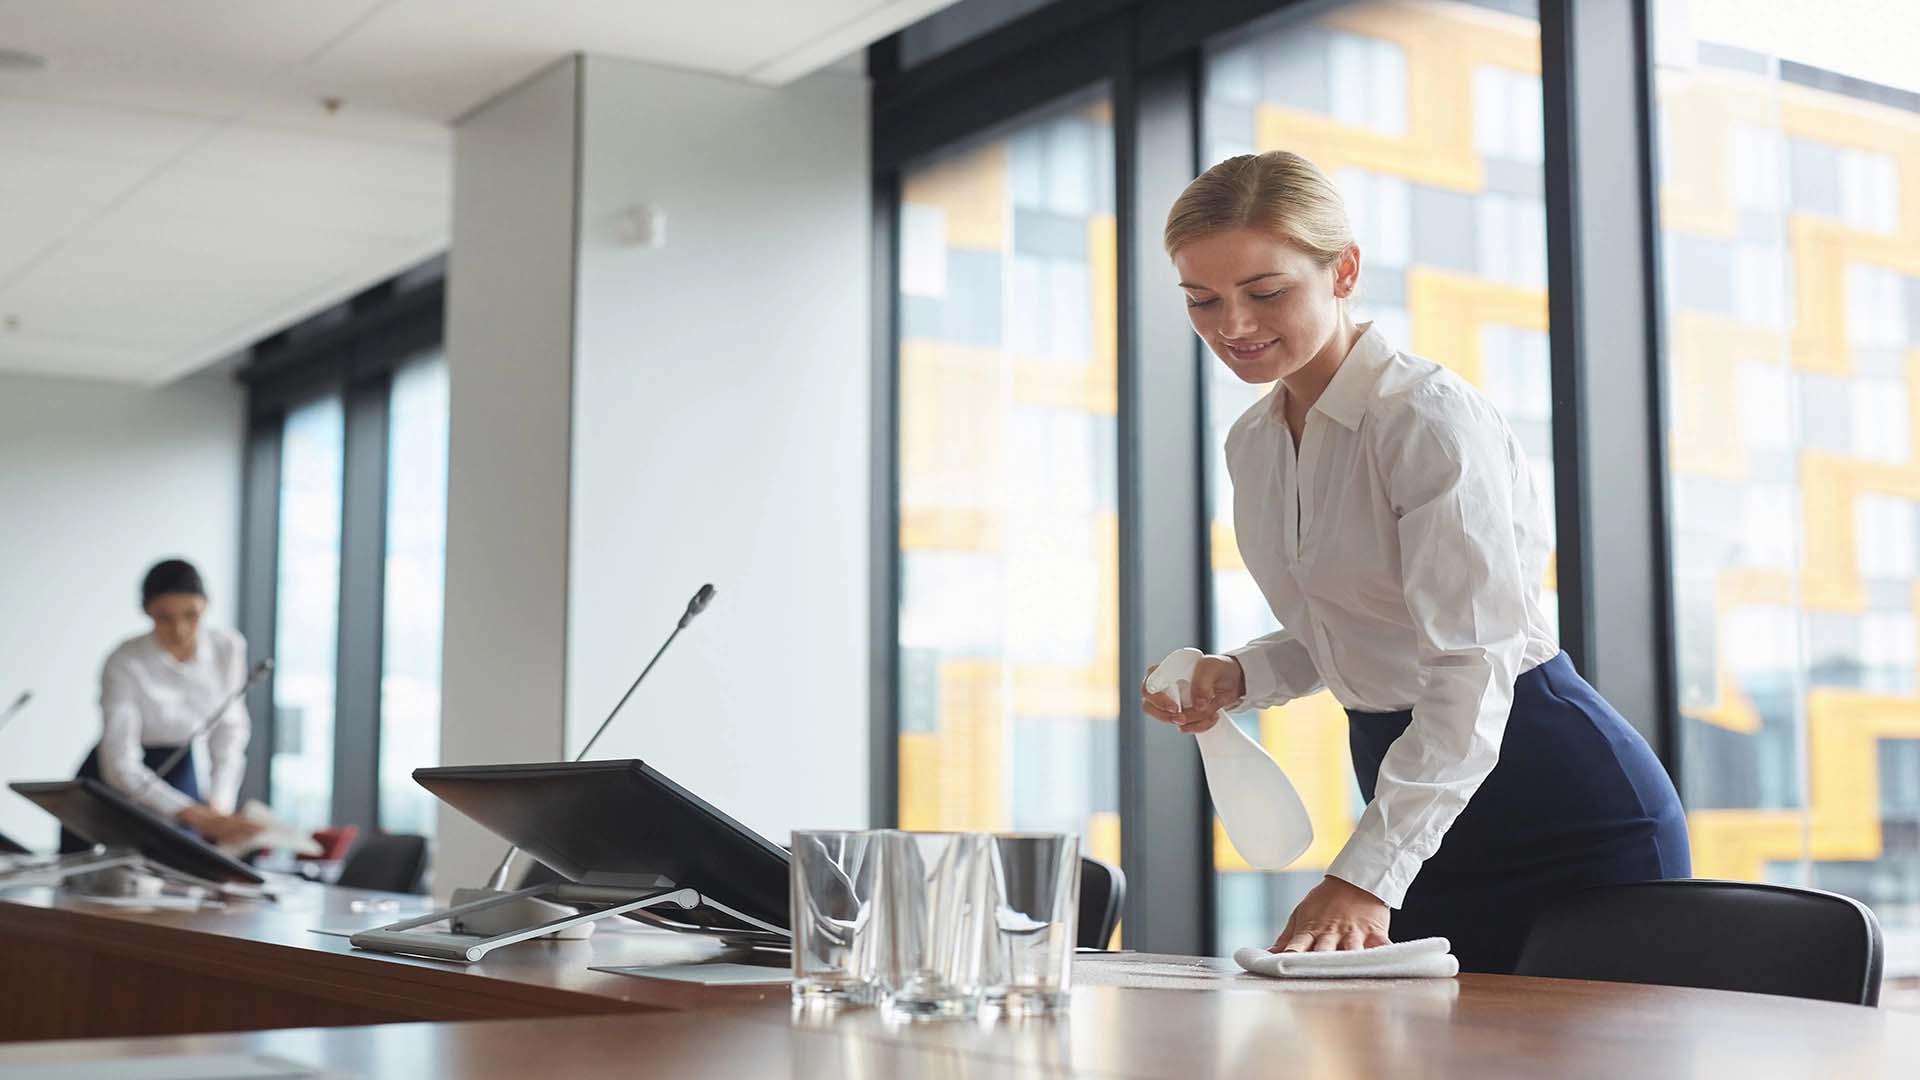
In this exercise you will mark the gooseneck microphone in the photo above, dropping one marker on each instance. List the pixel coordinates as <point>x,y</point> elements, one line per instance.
<point>694,607</point>
<point>18,704</point>
<point>259,672</point>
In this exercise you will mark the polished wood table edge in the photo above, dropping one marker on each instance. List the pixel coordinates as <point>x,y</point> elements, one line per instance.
<point>523,975</point>
<point>1496,1032</point>
<point>637,1035</point>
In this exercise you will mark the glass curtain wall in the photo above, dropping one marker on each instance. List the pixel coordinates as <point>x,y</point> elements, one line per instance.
<point>1008,529</point>
<point>1790,256</point>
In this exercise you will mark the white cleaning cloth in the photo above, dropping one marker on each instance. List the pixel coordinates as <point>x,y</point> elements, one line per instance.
<point>274,833</point>
<point>1427,958</point>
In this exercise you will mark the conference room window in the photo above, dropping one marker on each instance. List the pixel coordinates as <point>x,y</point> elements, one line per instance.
<point>346,538</point>
<point>1788,241</point>
<point>1008,527</point>
<point>1441,166</point>
<point>307,613</point>
<point>414,587</point>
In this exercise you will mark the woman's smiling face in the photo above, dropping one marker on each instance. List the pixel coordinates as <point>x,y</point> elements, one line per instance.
<point>1264,306</point>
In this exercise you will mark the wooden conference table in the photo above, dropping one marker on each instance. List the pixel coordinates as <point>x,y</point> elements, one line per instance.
<point>73,972</point>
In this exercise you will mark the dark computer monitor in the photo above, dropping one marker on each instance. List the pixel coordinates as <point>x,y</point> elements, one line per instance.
<point>105,816</point>
<point>620,823</point>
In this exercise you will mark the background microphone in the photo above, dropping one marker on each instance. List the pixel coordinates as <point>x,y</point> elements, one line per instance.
<point>18,704</point>
<point>694,607</point>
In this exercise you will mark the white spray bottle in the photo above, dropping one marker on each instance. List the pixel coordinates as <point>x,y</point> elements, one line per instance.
<point>1263,814</point>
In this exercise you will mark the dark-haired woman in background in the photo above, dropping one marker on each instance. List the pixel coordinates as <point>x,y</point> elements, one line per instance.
<point>155,690</point>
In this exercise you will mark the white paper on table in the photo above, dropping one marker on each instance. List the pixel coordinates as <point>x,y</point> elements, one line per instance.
<point>707,974</point>
<point>277,834</point>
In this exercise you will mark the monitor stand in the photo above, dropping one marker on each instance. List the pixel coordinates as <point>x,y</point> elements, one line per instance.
<point>405,937</point>
<point>118,865</point>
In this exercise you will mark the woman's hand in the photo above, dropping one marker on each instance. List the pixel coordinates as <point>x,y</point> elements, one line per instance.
<point>1217,683</point>
<point>218,827</point>
<point>1335,915</point>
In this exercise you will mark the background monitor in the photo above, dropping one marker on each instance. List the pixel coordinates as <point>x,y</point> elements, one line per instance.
<point>105,816</point>
<point>620,823</point>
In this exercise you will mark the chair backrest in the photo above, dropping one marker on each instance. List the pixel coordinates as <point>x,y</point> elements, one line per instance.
<point>1103,889</point>
<point>1717,935</point>
<point>390,862</point>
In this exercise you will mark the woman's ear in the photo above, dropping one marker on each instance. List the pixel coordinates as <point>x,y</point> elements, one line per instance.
<point>1346,272</point>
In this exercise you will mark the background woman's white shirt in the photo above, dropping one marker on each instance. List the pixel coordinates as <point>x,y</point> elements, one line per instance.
<point>147,698</point>
<point>1406,572</point>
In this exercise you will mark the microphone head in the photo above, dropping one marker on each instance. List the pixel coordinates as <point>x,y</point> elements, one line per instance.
<point>700,600</point>
<point>25,696</point>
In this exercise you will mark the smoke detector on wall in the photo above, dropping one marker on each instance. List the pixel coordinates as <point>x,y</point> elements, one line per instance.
<point>643,225</point>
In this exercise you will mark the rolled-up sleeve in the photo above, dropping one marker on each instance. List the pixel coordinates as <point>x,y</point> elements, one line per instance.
<point>122,757</point>
<point>1278,669</point>
<point>1450,478</point>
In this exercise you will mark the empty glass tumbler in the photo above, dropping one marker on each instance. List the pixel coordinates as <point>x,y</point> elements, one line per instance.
<point>1033,892</point>
<point>834,874</point>
<point>930,924</point>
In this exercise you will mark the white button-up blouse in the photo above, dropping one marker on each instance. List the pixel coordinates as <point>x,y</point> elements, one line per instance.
<point>147,698</point>
<point>1402,549</point>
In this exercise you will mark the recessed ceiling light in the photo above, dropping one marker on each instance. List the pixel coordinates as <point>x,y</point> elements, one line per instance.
<point>20,60</point>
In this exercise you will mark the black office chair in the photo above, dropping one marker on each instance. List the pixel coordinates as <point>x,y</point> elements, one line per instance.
<point>1103,889</point>
<point>1716,935</point>
<point>389,862</point>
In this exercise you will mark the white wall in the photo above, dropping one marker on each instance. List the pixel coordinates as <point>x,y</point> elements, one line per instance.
<point>721,433</point>
<point>97,482</point>
<point>509,363</point>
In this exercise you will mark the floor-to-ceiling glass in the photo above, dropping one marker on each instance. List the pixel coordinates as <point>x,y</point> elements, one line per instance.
<point>307,613</point>
<point>1008,530</point>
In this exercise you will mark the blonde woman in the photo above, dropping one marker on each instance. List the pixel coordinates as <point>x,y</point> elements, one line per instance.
<point>1390,519</point>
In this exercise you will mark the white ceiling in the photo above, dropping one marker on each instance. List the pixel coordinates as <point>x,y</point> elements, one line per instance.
<point>172,186</point>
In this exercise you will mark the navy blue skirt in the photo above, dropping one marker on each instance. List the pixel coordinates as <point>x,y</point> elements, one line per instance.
<point>1578,799</point>
<point>182,776</point>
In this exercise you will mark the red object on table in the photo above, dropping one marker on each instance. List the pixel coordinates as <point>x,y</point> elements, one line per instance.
<point>334,842</point>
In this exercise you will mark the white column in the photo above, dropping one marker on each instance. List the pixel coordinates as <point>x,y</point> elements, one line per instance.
<point>631,421</point>
<point>510,289</point>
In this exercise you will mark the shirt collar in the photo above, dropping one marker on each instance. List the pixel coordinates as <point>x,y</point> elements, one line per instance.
<point>1345,399</point>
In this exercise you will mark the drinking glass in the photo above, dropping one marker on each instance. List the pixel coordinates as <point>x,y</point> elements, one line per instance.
<point>833,877</point>
<point>930,923</point>
<point>1033,893</point>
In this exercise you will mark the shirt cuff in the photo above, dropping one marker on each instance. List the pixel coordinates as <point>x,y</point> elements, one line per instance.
<point>1262,683</point>
<point>1383,871</point>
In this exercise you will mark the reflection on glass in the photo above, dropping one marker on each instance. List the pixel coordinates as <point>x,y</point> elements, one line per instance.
<point>307,614</point>
<point>1791,258</point>
<point>1009,606</point>
<point>1427,116</point>
<point>415,576</point>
